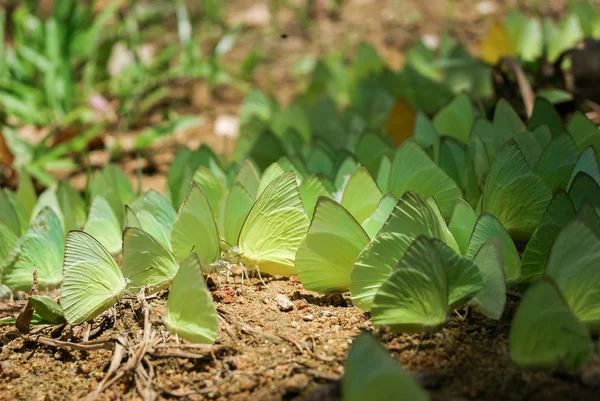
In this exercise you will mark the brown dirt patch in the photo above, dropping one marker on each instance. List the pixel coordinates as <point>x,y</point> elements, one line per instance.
<point>259,358</point>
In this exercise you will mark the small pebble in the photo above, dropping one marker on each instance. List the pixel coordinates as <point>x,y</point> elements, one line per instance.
<point>283,303</point>
<point>326,313</point>
<point>294,325</point>
<point>296,383</point>
<point>308,318</point>
<point>238,292</point>
<point>301,304</point>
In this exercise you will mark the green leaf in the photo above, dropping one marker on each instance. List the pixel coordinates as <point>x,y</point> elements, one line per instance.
<point>47,309</point>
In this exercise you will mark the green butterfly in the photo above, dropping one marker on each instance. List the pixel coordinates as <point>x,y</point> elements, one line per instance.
<point>327,253</point>
<point>92,280</point>
<point>412,217</point>
<point>545,333</point>
<point>572,265</point>
<point>274,228</point>
<point>370,373</point>
<point>41,247</point>
<point>195,230</point>
<point>191,312</point>
<point>104,225</point>
<point>429,281</point>
<point>147,263</point>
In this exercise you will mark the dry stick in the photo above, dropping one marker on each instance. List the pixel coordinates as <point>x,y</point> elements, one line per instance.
<point>177,354</point>
<point>204,347</point>
<point>114,365</point>
<point>10,308</point>
<point>526,91</point>
<point>132,362</point>
<point>228,328</point>
<point>84,346</point>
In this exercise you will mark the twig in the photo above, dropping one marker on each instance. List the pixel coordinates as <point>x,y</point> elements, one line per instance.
<point>228,328</point>
<point>177,354</point>
<point>526,91</point>
<point>83,346</point>
<point>114,365</point>
<point>204,347</point>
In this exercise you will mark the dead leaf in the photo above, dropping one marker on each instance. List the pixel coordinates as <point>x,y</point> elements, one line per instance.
<point>24,318</point>
<point>401,121</point>
<point>6,155</point>
<point>496,44</point>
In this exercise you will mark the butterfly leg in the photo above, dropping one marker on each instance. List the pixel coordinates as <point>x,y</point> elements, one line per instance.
<point>260,277</point>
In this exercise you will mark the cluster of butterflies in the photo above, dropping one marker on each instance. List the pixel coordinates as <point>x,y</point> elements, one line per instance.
<point>160,248</point>
<point>405,245</point>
